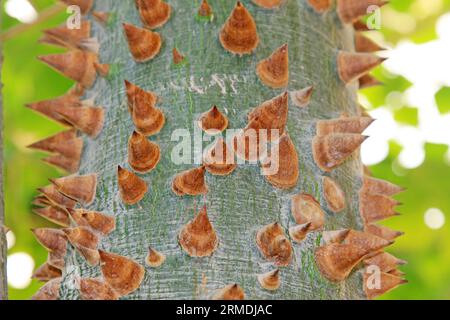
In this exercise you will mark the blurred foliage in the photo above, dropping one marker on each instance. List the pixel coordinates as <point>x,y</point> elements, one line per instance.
<point>443,100</point>
<point>412,19</point>
<point>391,84</point>
<point>407,115</point>
<point>25,80</point>
<point>428,251</point>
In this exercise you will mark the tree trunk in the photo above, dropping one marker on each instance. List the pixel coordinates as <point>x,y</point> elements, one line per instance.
<point>3,244</point>
<point>240,204</point>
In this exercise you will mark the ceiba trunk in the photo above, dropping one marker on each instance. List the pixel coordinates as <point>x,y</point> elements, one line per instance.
<point>240,204</point>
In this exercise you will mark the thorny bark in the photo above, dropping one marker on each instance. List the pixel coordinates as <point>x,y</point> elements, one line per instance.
<point>238,205</point>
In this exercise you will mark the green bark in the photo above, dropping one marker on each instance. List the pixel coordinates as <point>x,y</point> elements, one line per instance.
<point>239,204</point>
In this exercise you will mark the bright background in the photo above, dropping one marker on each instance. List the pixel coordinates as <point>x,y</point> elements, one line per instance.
<point>409,142</point>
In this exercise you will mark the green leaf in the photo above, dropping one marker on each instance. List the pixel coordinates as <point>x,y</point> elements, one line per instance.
<point>377,95</point>
<point>435,151</point>
<point>443,100</point>
<point>424,34</point>
<point>407,115</point>
<point>401,5</point>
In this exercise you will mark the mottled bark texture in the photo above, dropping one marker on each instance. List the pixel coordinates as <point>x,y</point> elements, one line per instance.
<point>239,204</point>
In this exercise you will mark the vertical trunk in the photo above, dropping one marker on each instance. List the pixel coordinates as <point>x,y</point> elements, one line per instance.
<point>239,204</point>
<point>3,244</point>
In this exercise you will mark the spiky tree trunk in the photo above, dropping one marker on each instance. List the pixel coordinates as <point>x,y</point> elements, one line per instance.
<point>240,204</point>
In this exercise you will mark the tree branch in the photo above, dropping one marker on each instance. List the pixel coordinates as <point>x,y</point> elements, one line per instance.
<point>3,246</point>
